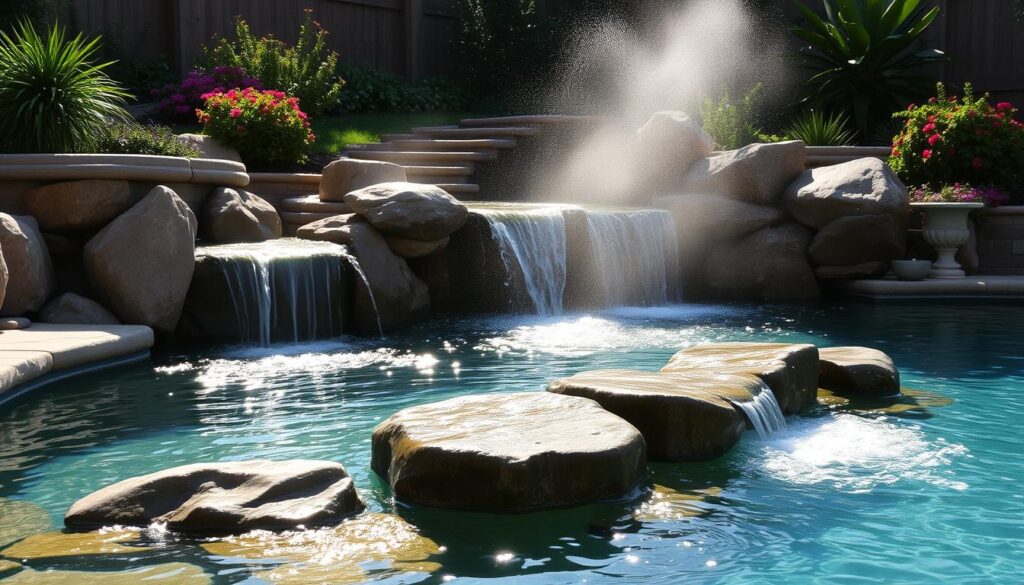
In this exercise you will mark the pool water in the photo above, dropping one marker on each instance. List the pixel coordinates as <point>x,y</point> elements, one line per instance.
<point>923,491</point>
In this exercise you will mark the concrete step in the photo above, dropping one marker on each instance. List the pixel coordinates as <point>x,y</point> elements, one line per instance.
<point>312,204</point>
<point>393,137</point>
<point>438,179</point>
<point>403,157</point>
<point>434,175</point>
<point>529,120</point>
<point>455,132</point>
<point>460,189</point>
<point>460,145</point>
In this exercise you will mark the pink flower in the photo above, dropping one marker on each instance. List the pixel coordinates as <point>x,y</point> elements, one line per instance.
<point>1003,106</point>
<point>235,112</point>
<point>928,128</point>
<point>933,139</point>
<point>927,154</point>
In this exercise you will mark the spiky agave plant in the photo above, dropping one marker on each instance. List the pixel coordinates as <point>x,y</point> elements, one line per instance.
<point>53,98</point>
<point>863,57</point>
<point>815,129</point>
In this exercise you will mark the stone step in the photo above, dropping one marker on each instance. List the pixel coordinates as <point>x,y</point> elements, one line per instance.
<point>434,175</point>
<point>438,179</point>
<point>471,133</point>
<point>393,137</point>
<point>534,119</point>
<point>312,204</point>
<point>457,189</point>
<point>300,218</point>
<point>478,144</point>
<point>421,158</point>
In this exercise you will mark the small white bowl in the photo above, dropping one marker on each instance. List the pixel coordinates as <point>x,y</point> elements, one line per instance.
<point>912,269</point>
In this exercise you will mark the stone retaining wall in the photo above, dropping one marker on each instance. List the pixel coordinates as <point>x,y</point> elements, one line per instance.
<point>1000,233</point>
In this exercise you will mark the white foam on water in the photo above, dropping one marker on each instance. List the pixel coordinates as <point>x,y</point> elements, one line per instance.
<point>857,454</point>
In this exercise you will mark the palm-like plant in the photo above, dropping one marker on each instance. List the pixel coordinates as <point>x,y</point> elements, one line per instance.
<point>815,129</point>
<point>862,53</point>
<point>52,97</point>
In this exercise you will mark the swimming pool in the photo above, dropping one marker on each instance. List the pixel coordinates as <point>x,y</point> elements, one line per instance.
<point>911,493</point>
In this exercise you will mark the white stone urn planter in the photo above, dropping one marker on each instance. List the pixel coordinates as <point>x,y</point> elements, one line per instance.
<point>946,229</point>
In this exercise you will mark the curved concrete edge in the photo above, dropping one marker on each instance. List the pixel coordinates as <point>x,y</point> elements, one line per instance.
<point>130,167</point>
<point>52,377</point>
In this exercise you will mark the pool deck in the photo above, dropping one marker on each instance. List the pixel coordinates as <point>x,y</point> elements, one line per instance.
<point>44,353</point>
<point>978,286</point>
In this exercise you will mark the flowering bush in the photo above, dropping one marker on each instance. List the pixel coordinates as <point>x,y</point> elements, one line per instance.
<point>967,141</point>
<point>265,127</point>
<point>959,193</point>
<point>180,102</point>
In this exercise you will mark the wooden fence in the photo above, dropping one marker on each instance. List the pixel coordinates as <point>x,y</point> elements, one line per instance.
<point>407,37</point>
<point>415,38</point>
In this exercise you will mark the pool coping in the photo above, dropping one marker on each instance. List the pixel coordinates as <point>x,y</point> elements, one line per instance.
<point>57,376</point>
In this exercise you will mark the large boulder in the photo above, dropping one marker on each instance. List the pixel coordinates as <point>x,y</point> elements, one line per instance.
<point>345,175</point>
<point>210,148</point>
<point>771,264</point>
<point>790,370</point>
<point>857,239</point>
<point>77,205</point>
<point>388,294</point>
<point>858,371</point>
<point>508,453</point>
<point>226,498</point>
<point>683,416</point>
<point>70,308</point>
<point>409,210</point>
<point>756,173</point>
<point>409,249</point>
<point>667,146</point>
<point>235,215</point>
<point>866,186</point>
<point>31,279</point>
<point>717,218</point>
<point>141,264</point>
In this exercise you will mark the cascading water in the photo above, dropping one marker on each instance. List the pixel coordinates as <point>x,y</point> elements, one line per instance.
<point>636,254</point>
<point>533,241</point>
<point>284,290</point>
<point>763,412</point>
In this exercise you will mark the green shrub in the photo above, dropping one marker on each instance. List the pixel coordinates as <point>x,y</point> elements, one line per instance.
<point>267,128</point>
<point>52,97</point>
<point>132,138</point>
<point>305,70</point>
<point>734,124</point>
<point>814,129</point>
<point>369,90</point>
<point>862,57</point>
<point>952,140</point>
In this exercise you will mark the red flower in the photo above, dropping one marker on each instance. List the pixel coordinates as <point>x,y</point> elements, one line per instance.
<point>934,138</point>
<point>977,163</point>
<point>1003,106</point>
<point>927,154</point>
<point>928,128</point>
<point>895,153</point>
<point>931,119</point>
<point>235,112</point>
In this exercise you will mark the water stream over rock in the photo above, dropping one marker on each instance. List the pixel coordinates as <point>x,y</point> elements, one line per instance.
<point>763,412</point>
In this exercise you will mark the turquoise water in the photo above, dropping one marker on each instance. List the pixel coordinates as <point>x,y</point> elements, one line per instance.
<point>928,495</point>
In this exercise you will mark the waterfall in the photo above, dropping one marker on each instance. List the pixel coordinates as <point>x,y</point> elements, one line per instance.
<point>636,256</point>
<point>533,242</point>
<point>284,290</point>
<point>763,412</point>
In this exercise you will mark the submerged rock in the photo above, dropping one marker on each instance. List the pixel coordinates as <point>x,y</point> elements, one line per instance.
<point>866,186</point>
<point>231,497</point>
<point>164,574</point>
<point>859,371</point>
<point>756,173</point>
<point>790,370</point>
<point>683,417</point>
<point>345,175</point>
<point>76,309</point>
<point>409,210</point>
<point>30,276</point>
<point>235,215</point>
<point>19,518</point>
<point>373,538</point>
<point>508,453</point>
<point>141,264</point>
<point>77,205</point>
<point>62,544</point>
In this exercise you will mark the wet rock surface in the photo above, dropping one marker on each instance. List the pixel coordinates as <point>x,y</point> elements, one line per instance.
<point>858,371</point>
<point>508,453</point>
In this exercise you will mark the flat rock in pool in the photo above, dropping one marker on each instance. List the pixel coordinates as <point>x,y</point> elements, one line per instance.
<point>858,371</point>
<point>683,417</point>
<point>508,453</point>
<point>232,497</point>
<point>790,370</point>
<point>165,574</point>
